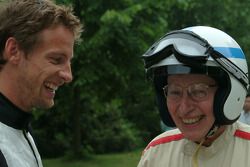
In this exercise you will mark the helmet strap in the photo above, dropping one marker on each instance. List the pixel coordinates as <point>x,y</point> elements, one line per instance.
<point>212,130</point>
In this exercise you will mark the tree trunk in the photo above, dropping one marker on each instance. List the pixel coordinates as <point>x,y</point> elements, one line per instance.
<point>76,125</point>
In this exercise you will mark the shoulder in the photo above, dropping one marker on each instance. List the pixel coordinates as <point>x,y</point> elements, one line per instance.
<point>167,145</point>
<point>166,137</point>
<point>242,131</point>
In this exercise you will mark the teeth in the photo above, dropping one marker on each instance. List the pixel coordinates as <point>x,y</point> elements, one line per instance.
<point>191,120</point>
<point>51,86</point>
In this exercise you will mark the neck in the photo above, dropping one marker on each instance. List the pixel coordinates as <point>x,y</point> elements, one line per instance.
<point>210,139</point>
<point>9,87</point>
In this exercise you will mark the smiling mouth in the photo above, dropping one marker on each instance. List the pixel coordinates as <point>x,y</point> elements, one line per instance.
<point>50,86</point>
<point>189,121</point>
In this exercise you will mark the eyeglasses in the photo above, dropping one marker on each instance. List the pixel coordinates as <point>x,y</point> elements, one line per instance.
<point>198,52</point>
<point>197,92</point>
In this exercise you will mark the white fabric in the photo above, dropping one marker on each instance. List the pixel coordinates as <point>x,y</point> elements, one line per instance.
<point>16,149</point>
<point>229,150</point>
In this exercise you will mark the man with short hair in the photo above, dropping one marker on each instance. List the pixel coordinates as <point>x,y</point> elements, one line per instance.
<point>36,47</point>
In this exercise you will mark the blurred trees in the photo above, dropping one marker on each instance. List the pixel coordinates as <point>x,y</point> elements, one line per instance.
<point>110,106</point>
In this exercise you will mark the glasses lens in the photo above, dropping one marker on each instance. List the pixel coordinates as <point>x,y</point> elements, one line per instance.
<point>198,92</point>
<point>173,92</point>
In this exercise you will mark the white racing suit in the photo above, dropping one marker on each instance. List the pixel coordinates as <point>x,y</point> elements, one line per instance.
<point>171,149</point>
<point>17,148</point>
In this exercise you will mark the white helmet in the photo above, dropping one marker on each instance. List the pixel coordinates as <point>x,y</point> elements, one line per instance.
<point>201,50</point>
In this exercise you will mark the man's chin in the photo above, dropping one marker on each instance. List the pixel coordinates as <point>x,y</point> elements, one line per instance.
<point>46,105</point>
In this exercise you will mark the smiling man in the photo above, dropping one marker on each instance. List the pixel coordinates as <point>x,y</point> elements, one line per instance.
<point>200,79</point>
<point>37,38</point>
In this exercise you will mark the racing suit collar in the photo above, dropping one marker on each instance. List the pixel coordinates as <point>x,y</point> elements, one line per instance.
<point>13,116</point>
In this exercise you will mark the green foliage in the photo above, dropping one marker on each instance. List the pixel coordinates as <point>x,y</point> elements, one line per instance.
<point>109,130</point>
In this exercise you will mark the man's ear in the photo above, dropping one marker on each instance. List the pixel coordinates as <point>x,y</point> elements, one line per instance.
<point>12,52</point>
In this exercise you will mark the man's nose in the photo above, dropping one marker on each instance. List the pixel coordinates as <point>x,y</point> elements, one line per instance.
<point>66,74</point>
<point>185,104</point>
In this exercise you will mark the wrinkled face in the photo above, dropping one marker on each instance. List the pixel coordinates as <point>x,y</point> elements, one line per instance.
<point>45,68</point>
<point>193,117</point>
